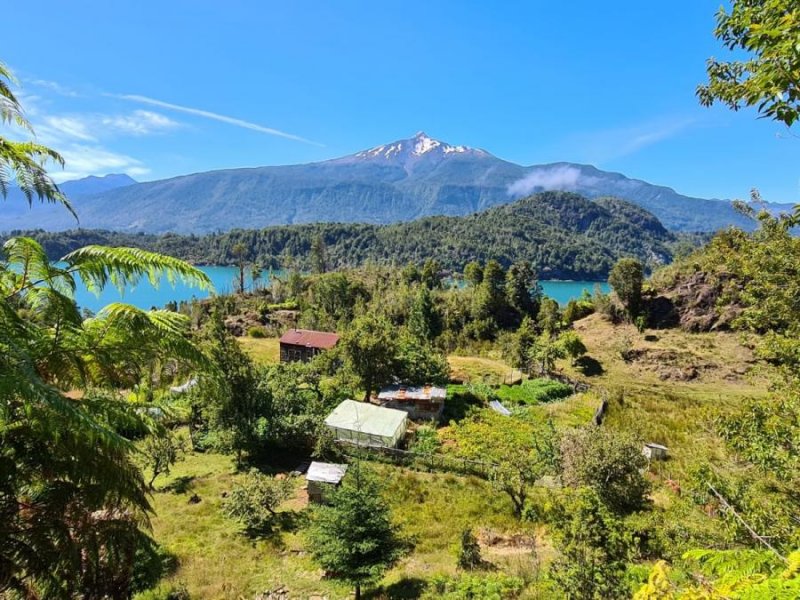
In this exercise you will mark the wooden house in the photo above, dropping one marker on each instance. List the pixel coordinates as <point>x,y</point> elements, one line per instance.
<point>420,402</point>
<point>305,344</point>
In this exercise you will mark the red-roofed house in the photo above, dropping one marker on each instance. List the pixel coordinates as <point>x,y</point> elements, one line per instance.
<point>305,344</point>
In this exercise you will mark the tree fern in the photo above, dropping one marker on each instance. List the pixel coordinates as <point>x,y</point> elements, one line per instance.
<point>23,163</point>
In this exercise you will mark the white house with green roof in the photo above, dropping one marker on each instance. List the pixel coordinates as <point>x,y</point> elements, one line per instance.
<point>365,424</point>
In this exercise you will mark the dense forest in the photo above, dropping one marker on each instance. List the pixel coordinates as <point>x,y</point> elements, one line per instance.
<point>563,236</point>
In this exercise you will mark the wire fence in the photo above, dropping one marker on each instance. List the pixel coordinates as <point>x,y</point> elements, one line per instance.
<point>445,463</point>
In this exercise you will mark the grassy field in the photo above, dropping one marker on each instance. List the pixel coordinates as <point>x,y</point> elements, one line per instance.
<point>478,369</point>
<point>663,392</point>
<point>667,390</point>
<point>264,351</point>
<point>217,560</point>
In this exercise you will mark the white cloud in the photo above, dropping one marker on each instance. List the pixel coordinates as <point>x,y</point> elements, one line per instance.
<point>53,128</point>
<point>561,177</point>
<point>140,122</point>
<point>82,160</point>
<point>214,116</point>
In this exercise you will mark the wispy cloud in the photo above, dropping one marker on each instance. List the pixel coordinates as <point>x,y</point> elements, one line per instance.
<point>610,144</point>
<point>215,117</point>
<point>53,86</point>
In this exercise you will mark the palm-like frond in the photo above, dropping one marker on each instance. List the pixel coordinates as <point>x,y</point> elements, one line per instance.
<point>98,266</point>
<point>24,162</point>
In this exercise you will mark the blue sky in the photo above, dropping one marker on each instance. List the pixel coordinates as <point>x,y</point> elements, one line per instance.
<point>157,89</point>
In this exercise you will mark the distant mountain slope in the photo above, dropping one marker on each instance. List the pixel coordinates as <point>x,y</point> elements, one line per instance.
<point>564,235</point>
<point>14,211</point>
<point>401,181</point>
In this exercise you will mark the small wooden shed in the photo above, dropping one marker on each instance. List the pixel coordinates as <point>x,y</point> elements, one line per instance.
<point>419,401</point>
<point>323,477</point>
<point>655,451</point>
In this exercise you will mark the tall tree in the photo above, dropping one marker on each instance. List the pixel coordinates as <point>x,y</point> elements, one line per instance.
<point>473,273</point>
<point>593,550</point>
<point>319,255</point>
<point>522,290</point>
<point>424,321</point>
<point>239,252</point>
<point>627,279</point>
<point>768,31</point>
<point>353,538</point>
<point>370,348</point>
<point>72,498</point>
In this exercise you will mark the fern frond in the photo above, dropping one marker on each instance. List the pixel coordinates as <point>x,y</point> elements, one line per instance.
<point>98,266</point>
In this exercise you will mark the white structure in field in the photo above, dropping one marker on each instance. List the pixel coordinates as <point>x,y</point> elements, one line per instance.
<point>365,424</point>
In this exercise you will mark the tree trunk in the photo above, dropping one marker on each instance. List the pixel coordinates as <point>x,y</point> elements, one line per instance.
<point>358,591</point>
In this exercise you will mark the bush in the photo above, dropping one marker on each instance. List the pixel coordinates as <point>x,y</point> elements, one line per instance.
<point>535,391</point>
<point>610,463</point>
<point>254,501</point>
<point>468,586</point>
<point>167,592</point>
<point>426,441</point>
<point>469,551</point>
<point>256,332</point>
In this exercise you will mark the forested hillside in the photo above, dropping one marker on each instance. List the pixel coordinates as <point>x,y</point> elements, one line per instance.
<point>563,235</point>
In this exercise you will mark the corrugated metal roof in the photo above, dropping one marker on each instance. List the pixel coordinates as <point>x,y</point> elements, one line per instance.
<point>326,472</point>
<point>309,338</point>
<point>367,418</point>
<point>418,392</point>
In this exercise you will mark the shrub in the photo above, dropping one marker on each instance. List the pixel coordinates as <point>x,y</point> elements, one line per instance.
<point>254,501</point>
<point>469,551</point>
<point>426,441</point>
<point>256,332</point>
<point>168,592</point>
<point>469,586</point>
<point>535,391</point>
<point>610,463</point>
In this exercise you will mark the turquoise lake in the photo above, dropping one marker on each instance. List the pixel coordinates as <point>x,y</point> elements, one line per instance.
<point>146,296</point>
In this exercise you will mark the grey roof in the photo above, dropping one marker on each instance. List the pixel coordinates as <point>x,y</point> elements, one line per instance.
<point>657,446</point>
<point>326,472</point>
<point>498,407</point>
<point>367,418</point>
<point>412,392</point>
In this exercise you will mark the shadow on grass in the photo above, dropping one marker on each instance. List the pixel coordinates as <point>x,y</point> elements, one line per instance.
<point>459,402</point>
<point>589,366</point>
<point>406,588</point>
<point>180,485</point>
<point>288,521</point>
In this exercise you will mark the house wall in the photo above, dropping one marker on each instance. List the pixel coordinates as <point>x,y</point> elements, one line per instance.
<point>294,353</point>
<point>417,409</point>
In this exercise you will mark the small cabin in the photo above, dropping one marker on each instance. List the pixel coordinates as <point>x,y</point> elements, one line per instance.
<point>420,402</point>
<point>364,424</point>
<point>301,345</point>
<point>655,451</point>
<point>321,478</point>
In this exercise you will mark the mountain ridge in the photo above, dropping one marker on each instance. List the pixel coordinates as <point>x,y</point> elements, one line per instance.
<point>400,181</point>
<point>562,234</point>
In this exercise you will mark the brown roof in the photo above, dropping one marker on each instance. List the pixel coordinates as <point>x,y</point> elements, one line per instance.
<point>310,339</point>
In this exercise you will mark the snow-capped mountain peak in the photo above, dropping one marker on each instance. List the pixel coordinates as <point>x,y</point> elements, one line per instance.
<point>420,145</point>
